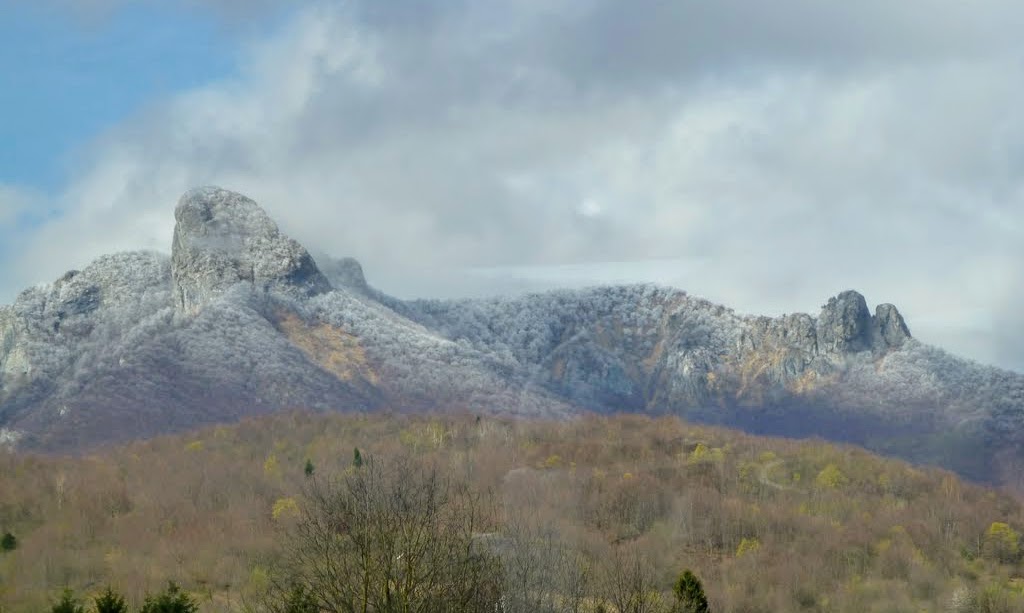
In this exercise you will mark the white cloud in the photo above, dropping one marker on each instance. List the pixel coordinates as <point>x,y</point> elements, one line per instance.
<point>11,204</point>
<point>792,149</point>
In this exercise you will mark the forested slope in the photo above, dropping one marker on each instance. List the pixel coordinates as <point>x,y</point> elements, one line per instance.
<point>767,524</point>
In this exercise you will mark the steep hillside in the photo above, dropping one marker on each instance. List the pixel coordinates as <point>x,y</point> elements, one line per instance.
<point>768,525</point>
<point>241,320</point>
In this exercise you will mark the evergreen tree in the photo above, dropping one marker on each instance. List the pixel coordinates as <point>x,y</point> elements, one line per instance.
<point>110,602</point>
<point>690,594</point>
<point>68,603</point>
<point>171,600</point>
<point>8,542</point>
<point>357,458</point>
<point>309,468</point>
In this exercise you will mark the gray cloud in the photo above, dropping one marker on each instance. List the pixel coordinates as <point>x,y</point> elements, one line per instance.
<point>776,152</point>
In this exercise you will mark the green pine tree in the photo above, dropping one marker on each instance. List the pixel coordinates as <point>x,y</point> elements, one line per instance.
<point>690,594</point>
<point>171,600</point>
<point>110,602</point>
<point>309,468</point>
<point>68,603</point>
<point>8,542</point>
<point>357,458</point>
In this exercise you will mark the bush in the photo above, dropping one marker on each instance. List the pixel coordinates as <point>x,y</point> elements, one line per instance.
<point>171,600</point>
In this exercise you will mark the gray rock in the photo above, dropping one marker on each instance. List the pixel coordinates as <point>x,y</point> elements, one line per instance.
<point>889,330</point>
<point>222,239</point>
<point>844,325</point>
<point>345,272</point>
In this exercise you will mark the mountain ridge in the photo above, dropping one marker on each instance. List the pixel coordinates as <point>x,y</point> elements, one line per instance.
<point>241,319</point>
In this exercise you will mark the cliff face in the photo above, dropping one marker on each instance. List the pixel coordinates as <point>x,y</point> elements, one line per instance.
<point>222,239</point>
<point>241,319</point>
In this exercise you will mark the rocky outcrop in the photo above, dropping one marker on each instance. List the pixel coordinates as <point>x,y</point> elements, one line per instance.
<point>111,291</point>
<point>844,325</point>
<point>847,326</point>
<point>889,331</point>
<point>222,239</point>
<point>345,272</point>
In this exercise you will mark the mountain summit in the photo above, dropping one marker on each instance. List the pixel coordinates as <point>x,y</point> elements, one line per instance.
<point>222,238</point>
<point>241,320</point>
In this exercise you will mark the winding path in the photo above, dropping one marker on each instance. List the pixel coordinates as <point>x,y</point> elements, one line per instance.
<point>764,479</point>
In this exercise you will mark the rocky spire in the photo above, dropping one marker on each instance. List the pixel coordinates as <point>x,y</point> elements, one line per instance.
<point>223,238</point>
<point>889,330</point>
<point>845,325</point>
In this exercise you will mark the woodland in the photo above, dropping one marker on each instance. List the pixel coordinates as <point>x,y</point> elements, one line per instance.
<point>360,512</point>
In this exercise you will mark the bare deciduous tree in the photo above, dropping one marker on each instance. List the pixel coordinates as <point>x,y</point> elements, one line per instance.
<point>388,538</point>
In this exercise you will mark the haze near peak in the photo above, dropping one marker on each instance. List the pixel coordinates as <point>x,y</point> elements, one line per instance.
<point>772,146</point>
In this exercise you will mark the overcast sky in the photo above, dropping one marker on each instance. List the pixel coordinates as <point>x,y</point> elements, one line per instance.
<point>765,155</point>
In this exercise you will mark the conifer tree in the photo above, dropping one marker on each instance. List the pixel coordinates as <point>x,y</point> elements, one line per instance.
<point>8,542</point>
<point>110,602</point>
<point>309,468</point>
<point>357,458</point>
<point>68,603</point>
<point>690,594</point>
<point>171,600</point>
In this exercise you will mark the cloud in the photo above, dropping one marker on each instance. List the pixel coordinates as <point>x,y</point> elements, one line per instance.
<point>780,152</point>
<point>14,203</point>
<point>96,12</point>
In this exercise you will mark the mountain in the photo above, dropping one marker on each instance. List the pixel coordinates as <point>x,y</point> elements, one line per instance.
<point>242,320</point>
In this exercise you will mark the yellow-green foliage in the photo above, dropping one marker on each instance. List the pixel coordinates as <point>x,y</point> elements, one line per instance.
<point>702,453</point>
<point>856,533</point>
<point>748,546</point>
<point>830,477</point>
<point>283,508</point>
<point>1002,542</point>
<point>271,467</point>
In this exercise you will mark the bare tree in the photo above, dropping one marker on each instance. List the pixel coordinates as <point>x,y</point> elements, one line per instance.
<point>387,538</point>
<point>628,583</point>
<point>543,573</point>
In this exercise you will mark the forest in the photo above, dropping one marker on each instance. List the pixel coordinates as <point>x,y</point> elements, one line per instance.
<point>625,514</point>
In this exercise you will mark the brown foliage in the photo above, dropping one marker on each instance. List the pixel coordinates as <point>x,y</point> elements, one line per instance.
<point>569,502</point>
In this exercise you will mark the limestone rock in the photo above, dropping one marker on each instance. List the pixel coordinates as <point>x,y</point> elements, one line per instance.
<point>889,329</point>
<point>345,272</point>
<point>845,324</point>
<point>222,239</point>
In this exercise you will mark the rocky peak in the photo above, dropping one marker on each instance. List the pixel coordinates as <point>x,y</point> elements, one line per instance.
<point>345,272</point>
<point>844,325</point>
<point>889,330</point>
<point>223,238</point>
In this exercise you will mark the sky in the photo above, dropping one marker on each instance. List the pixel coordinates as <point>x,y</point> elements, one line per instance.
<point>764,155</point>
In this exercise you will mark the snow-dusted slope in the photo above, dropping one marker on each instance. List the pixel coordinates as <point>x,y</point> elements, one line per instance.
<point>241,320</point>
